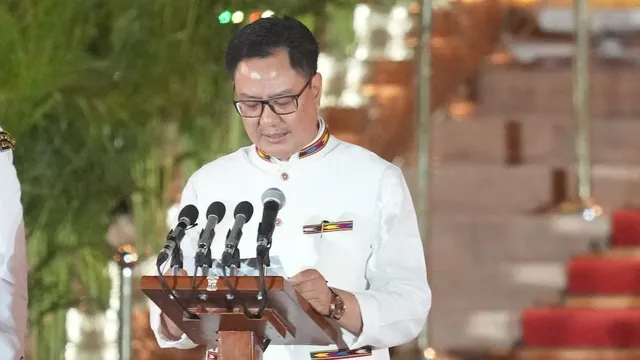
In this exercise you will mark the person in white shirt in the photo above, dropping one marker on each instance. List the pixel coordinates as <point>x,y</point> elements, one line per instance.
<point>347,237</point>
<point>13,260</point>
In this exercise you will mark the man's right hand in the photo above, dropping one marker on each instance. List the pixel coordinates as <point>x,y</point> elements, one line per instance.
<point>168,328</point>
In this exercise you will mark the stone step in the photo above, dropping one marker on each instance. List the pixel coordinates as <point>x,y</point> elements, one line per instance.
<point>473,188</point>
<point>621,252</point>
<point>604,302</point>
<point>533,140</point>
<point>517,89</point>
<point>483,238</point>
<point>467,328</point>
<point>614,187</point>
<point>479,188</point>
<point>484,269</point>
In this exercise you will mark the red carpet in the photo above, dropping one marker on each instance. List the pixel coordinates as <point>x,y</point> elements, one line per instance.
<point>604,276</point>
<point>564,327</point>
<point>593,276</point>
<point>625,228</point>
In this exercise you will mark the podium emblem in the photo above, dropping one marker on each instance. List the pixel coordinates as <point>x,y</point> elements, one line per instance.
<point>212,355</point>
<point>212,283</point>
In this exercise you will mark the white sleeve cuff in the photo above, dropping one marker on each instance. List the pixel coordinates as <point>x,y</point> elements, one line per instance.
<point>184,342</point>
<point>156,325</point>
<point>369,310</point>
<point>381,329</point>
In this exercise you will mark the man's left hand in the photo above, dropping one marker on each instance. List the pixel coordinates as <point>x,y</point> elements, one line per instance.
<point>312,286</point>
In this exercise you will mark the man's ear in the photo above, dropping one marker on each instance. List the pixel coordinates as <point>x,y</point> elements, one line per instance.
<point>316,87</point>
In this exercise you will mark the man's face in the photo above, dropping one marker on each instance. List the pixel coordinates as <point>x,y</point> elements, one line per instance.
<point>284,132</point>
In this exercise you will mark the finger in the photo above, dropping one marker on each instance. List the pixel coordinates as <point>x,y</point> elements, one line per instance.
<point>295,280</point>
<point>305,275</point>
<point>312,297</point>
<point>308,286</point>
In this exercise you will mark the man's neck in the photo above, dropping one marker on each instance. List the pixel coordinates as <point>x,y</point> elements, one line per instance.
<point>287,158</point>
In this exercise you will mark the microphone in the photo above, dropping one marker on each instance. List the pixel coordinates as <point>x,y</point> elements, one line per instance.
<point>187,217</point>
<point>272,200</point>
<point>242,213</point>
<point>215,214</point>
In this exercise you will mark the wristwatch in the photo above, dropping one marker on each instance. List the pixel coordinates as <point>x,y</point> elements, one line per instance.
<point>337,307</point>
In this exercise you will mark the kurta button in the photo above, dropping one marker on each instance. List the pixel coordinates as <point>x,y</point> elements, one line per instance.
<point>284,176</point>
<point>278,222</point>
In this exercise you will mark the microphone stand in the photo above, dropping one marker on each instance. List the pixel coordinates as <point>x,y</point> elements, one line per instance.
<point>263,262</point>
<point>176,264</point>
<point>176,259</point>
<point>208,263</point>
<point>234,264</point>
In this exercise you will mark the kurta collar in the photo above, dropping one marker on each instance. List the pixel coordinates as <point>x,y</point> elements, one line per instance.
<point>315,147</point>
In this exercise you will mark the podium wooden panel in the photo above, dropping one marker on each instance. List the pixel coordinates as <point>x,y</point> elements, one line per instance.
<point>287,320</point>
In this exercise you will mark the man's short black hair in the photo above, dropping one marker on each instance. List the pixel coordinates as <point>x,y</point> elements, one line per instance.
<point>265,36</point>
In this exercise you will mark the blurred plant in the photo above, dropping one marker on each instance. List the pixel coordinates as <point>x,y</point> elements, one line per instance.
<point>105,98</point>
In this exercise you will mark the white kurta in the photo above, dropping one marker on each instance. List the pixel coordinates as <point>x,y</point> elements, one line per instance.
<point>13,262</point>
<point>380,260</point>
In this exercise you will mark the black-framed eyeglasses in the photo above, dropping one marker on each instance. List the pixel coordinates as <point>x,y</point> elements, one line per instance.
<point>281,105</point>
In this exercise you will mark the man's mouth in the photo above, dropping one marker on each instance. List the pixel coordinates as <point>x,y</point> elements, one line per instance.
<point>274,138</point>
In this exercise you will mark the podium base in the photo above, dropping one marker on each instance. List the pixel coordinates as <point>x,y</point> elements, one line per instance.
<point>239,345</point>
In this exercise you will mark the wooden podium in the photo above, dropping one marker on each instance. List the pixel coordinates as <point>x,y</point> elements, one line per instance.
<point>287,320</point>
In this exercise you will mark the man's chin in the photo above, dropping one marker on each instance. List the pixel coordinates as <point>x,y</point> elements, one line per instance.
<point>280,151</point>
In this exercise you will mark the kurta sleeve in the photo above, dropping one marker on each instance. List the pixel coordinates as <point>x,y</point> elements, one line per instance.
<point>188,246</point>
<point>13,262</point>
<point>395,306</point>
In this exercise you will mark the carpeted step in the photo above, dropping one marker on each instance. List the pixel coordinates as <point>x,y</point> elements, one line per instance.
<point>579,328</point>
<point>594,275</point>
<point>578,354</point>
<point>625,228</point>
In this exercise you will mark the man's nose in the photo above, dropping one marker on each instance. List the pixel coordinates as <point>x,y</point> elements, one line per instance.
<point>269,117</point>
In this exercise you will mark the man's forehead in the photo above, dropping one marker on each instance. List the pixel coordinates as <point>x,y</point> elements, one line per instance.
<point>268,68</point>
<point>265,83</point>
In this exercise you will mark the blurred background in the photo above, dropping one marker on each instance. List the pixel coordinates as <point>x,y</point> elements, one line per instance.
<point>521,149</point>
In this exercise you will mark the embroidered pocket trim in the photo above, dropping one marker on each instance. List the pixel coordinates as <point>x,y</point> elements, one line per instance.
<point>341,354</point>
<point>327,226</point>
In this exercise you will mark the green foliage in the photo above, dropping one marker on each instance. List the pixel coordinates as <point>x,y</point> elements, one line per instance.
<point>104,98</point>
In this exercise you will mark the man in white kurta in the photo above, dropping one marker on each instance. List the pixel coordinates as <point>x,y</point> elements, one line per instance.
<point>348,224</point>
<point>13,262</point>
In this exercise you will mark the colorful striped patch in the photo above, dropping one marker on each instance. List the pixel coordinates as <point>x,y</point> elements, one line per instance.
<point>327,226</point>
<point>341,354</point>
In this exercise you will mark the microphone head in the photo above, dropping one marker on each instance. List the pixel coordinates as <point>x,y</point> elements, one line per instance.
<point>190,213</point>
<point>244,208</point>
<point>217,209</point>
<point>274,194</point>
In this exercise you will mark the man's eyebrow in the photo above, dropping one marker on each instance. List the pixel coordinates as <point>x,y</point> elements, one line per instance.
<point>282,93</point>
<point>285,92</point>
<point>246,96</point>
